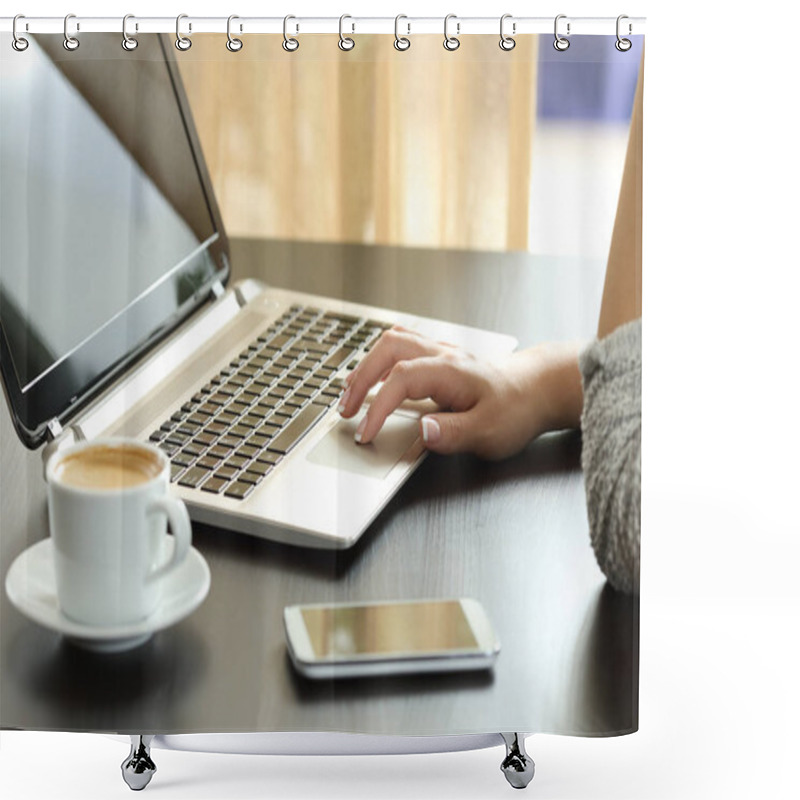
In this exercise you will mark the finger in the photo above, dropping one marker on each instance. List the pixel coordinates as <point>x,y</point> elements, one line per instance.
<point>410,380</point>
<point>392,348</point>
<point>450,432</point>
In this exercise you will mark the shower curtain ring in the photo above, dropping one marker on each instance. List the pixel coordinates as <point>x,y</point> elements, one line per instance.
<point>182,42</point>
<point>623,45</point>
<point>345,42</point>
<point>70,42</point>
<point>290,44</point>
<point>19,43</point>
<point>561,43</point>
<point>400,42</point>
<point>451,42</point>
<point>233,44</point>
<point>507,42</point>
<point>128,42</point>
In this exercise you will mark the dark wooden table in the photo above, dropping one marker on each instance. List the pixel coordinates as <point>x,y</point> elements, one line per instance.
<point>512,534</point>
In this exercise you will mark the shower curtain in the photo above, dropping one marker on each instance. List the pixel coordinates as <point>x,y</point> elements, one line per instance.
<point>489,186</point>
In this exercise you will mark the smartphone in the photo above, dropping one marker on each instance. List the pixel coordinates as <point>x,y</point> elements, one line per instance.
<point>389,638</point>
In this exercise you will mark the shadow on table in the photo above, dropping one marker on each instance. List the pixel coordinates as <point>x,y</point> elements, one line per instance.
<point>117,691</point>
<point>386,686</point>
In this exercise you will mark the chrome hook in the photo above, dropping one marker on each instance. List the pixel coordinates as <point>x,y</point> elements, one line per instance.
<point>233,44</point>
<point>623,45</point>
<point>70,42</point>
<point>128,42</point>
<point>451,43</point>
<point>506,42</point>
<point>400,42</point>
<point>561,43</point>
<point>182,42</point>
<point>345,42</point>
<point>19,43</point>
<point>290,44</point>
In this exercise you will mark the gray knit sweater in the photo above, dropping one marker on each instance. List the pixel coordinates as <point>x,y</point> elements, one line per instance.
<point>612,451</point>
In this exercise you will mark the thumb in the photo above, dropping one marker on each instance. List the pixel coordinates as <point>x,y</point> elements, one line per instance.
<point>448,433</point>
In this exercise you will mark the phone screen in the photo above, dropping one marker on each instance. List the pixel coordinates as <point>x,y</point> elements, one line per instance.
<point>388,629</point>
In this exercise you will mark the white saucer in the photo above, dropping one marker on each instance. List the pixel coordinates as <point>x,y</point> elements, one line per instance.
<point>31,587</point>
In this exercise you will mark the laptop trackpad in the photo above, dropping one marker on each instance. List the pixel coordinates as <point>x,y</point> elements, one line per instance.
<point>339,450</point>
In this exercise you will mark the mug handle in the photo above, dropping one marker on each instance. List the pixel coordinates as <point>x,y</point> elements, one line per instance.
<point>181,528</point>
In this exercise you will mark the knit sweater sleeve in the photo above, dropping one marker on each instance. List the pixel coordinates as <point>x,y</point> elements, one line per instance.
<point>611,422</point>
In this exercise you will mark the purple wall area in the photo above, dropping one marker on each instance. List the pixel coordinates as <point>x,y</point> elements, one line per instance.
<point>591,80</point>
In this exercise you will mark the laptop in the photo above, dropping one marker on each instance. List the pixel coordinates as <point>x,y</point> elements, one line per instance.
<point>117,316</point>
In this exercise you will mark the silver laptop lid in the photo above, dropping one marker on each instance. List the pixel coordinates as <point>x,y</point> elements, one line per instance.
<point>110,235</point>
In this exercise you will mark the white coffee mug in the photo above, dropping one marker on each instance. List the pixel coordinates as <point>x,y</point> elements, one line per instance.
<point>109,530</point>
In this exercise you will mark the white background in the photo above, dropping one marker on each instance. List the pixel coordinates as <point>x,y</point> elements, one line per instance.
<point>720,612</point>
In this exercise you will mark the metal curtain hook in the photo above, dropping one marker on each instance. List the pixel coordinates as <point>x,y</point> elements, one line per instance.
<point>506,42</point>
<point>233,44</point>
<point>128,42</point>
<point>560,43</point>
<point>19,43</point>
<point>345,42</point>
<point>623,45</point>
<point>70,42</point>
<point>290,44</point>
<point>451,42</point>
<point>182,42</point>
<point>400,42</point>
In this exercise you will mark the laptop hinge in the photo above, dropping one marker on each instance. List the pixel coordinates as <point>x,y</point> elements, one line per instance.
<point>54,430</point>
<point>217,289</point>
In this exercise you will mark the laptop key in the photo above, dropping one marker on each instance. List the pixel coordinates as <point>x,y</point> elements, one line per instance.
<point>169,448</point>
<point>335,316</point>
<point>239,490</point>
<point>158,436</point>
<point>250,476</point>
<point>267,458</point>
<point>183,459</point>
<point>305,391</point>
<point>279,341</point>
<point>193,449</point>
<point>246,451</point>
<point>258,441</point>
<point>175,471</point>
<point>259,468</point>
<point>226,473</point>
<point>296,429</point>
<point>193,477</point>
<point>208,461</point>
<point>236,462</point>
<point>214,484</point>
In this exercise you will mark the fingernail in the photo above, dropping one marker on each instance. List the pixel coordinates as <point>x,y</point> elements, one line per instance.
<point>431,432</point>
<point>344,399</point>
<point>360,429</point>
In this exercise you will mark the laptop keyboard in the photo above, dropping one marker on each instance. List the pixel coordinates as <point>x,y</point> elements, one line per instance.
<point>230,435</point>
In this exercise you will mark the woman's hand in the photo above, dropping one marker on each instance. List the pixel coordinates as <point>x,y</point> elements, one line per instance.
<point>492,409</point>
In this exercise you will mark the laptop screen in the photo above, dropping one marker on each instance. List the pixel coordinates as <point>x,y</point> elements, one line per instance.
<point>106,231</point>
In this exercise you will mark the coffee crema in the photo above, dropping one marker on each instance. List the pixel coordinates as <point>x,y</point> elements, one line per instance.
<point>112,467</point>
